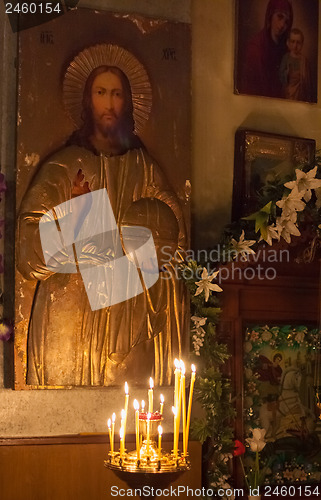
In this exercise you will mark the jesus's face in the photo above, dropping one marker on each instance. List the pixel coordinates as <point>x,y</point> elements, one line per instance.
<point>295,43</point>
<point>108,102</point>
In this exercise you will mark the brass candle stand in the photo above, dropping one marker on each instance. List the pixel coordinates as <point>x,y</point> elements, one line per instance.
<point>151,466</point>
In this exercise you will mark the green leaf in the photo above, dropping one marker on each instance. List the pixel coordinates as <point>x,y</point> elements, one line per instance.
<point>261,218</point>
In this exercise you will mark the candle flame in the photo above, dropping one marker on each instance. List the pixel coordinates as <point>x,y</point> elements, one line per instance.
<point>136,404</point>
<point>162,399</point>
<point>113,417</point>
<point>182,365</point>
<point>121,433</point>
<point>176,363</point>
<point>151,383</point>
<point>160,430</point>
<point>143,405</point>
<point>126,388</point>
<point>123,414</point>
<point>193,368</point>
<point>174,410</point>
<point>109,423</point>
<point>149,416</point>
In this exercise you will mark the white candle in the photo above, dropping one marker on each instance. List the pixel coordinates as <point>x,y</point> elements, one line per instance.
<point>150,395</point>
<point>190,404</point>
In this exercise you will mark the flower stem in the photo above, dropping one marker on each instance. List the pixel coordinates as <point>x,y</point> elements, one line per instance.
<point>257,469</point>
<point>244,474</point>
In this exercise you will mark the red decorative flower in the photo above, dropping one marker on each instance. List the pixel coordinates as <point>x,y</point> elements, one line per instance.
<point>239,448</point>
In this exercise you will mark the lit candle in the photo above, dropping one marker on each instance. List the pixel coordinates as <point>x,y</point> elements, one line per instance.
<point>136,406</point>
<point>176,373</point>
<point>121,446</point>
<point>113,418</point>
<point>143,406</point>
<point>110,436</point>
<point>150,395</point>
<point>178,414</point>
<point>174,410</point>
<point>161,404</point>
<point>160,431</point>
<point>148,432</point>
<point>123,425</point>
<point>190,404</point>
<point>126,407</point>
<point>183,397</point>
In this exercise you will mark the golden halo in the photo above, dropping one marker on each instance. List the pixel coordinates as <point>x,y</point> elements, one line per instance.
<point>110,55</point>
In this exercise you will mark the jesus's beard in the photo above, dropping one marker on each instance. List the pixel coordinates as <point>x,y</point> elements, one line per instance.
<point>108,129</point>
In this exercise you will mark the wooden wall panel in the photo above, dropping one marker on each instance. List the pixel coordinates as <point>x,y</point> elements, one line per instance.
<point>68,471</point>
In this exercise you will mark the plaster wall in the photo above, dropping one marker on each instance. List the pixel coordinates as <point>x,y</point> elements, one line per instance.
<point>218,112</point>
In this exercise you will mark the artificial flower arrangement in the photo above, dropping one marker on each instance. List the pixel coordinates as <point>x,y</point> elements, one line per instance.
<point>254,472</point>
<point>294,471</point>
<point>288,209</point>
<point>212,389</point>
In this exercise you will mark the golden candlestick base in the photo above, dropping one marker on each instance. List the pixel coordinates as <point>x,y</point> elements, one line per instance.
<point>151,470</point>
<point>150,462</point>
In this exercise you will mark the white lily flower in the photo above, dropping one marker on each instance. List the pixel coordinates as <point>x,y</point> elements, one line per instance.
<point>198,321</point>
<point>242,246</point>
<point>291,203</point>
<point>305,182</point>
<point>287,228</point>
<point>272,233</point>
<point>206,285</point>
<point>257,442</point>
